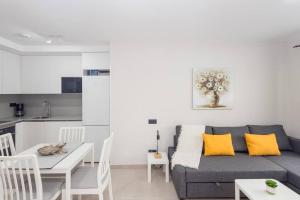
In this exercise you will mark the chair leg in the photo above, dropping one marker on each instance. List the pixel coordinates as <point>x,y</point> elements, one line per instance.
<point>82,163</point>
<point>63,195</point>
<point>101,196</point>
<point>110,191</point>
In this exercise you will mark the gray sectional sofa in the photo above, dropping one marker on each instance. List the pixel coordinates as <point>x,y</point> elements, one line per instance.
<point>216,174</point>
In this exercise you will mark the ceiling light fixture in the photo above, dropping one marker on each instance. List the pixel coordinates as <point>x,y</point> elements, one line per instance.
<point>48,41</point>
<point>24,35</point>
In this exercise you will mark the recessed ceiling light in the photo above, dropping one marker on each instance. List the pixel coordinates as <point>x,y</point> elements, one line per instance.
<point>48,41</point>
<point>24,35</point>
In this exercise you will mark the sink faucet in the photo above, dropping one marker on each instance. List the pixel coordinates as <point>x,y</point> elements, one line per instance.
<point>46,109</point>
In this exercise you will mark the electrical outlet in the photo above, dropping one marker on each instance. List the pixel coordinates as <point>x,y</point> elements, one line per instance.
<point>152,121</point>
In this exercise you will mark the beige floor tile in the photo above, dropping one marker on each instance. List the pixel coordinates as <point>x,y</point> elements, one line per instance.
<point>132,184</point>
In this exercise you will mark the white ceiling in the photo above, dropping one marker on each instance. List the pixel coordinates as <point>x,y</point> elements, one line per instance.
<point>97,22</point>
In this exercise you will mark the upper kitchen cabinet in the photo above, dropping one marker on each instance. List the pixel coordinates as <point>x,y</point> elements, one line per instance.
<point>95,60</point>
<point>42,74</point>
<point>10,73</point>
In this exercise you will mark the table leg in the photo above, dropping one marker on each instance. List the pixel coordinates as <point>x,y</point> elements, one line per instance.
<point>149,173</point>
<point>68,186</point>
<point>237,193</point>
<point>167,172</point>
<point>93,156</point>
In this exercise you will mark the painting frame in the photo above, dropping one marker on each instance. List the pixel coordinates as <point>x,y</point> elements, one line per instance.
<point>204,91</point>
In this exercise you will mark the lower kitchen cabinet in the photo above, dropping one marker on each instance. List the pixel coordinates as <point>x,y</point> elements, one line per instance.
<point>29,134</point>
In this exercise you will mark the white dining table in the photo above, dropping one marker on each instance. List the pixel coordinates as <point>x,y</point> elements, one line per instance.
<point>67,164</point>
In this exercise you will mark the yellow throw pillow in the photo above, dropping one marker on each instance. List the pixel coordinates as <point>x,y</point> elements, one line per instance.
<point>262,145</point>
<point>218,145</point>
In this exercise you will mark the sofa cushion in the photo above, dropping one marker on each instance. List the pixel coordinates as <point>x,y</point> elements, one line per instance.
<point>262,145</point>
<point>218,145</point>
<point>209,129</point>
<point>237,136</point>
<point>282,138</point>
<point>171,151</point>
<point>291,162</point>
<point>295,144</point>
<point>229,168</point>
<point>178,130</point>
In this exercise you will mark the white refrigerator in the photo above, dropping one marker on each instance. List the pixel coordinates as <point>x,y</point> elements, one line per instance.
<point>96,107</point>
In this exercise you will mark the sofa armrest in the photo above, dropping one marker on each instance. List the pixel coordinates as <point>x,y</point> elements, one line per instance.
<point>175,140</point>
<point>295,142</point>
<point>179,181</point>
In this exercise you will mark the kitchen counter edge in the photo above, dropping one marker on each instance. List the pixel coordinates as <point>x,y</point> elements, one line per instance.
<point>13,121</point>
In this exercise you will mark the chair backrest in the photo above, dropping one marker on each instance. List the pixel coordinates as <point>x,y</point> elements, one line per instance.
<point>104,164</point>
<point>7,147</point>
<point>20,178</point>
<point>71,134</point>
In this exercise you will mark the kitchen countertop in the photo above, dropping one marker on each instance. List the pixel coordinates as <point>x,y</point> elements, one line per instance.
<point>5,122</point>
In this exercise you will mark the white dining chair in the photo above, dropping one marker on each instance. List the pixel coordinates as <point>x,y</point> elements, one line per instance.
<point>72,134</point>
<point>7,147</point>
<point>21,180</point>
<point>94,180</point>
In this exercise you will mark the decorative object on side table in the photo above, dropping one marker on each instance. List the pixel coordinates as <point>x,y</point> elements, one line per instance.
<point>157,155</point>
<point>271,186</point>
<point>212,89</point>
<point>52,150</point>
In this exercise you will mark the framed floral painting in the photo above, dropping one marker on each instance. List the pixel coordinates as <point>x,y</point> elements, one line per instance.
<point>212,89</point>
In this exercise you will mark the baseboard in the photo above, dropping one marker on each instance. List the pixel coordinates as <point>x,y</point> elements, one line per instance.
<point>140,166</point>
<point>128,166</point>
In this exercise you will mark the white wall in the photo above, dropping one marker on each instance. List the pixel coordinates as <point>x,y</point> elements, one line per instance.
<point>288,88</point>
<point>154,80</point>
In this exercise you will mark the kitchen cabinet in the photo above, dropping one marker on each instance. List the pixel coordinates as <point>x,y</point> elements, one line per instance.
<point>42,74</point>
<point>1,72</point>
<point>29,134</point>
<point>10,73</point>
<point>95,60</point>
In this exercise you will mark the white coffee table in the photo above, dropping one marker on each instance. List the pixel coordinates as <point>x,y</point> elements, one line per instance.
<point>255,189</point>
<point>162,161</point>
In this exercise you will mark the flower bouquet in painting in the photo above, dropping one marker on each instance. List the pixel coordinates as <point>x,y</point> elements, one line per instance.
<point>211,84</point>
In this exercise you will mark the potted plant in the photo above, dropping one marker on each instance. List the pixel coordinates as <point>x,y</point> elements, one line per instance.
<point>271,186</point>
